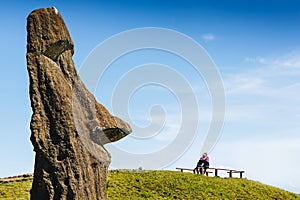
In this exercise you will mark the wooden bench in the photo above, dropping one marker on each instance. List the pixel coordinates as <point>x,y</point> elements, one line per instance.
<point>193,170</point>
<point>235,171</point>
<point>216,170</point>
<point>185,169</point>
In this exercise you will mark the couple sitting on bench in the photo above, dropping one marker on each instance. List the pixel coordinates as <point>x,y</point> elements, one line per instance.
<point>203,164</point>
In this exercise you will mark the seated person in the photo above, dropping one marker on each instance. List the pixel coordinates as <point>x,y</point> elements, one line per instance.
<point>202,163</point>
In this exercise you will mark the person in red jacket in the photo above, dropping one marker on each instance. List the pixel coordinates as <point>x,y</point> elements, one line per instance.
<point>202,163</point>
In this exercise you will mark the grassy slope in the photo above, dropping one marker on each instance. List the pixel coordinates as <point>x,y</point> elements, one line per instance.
<point>167,185</point>
<point>16,190</point>
<point>172,185</point>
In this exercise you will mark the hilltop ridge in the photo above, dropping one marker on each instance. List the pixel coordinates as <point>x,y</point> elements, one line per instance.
<point>141,184</point>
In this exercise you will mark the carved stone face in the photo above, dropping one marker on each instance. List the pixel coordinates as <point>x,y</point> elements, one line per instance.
<point>69,127</point>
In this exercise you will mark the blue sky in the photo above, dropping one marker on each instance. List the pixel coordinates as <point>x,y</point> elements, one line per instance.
<point>254,44</point>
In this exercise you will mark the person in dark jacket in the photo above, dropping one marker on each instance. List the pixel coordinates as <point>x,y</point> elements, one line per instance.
<point>203,163</point>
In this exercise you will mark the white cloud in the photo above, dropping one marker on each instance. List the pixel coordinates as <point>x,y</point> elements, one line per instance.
<point>274,77</point>
<point>243,83</point>
<point>265,94</point>
<point>289,61</point>
<point>208,37</point>
<point>257,59</point>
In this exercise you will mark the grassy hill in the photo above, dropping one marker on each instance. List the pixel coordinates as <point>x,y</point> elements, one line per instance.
<point>15,187</point>
<point>139,184</point>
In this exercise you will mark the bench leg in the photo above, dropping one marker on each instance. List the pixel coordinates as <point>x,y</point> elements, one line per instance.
<point>230,174</point>
<point>241,174</point>
<point>216,172</point>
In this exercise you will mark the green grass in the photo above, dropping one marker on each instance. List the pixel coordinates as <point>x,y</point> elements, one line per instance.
<point>139,184</point>
<point>176,185</point>
<point>16,189</point>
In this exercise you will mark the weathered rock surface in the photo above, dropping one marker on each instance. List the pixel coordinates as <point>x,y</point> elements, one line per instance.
<point>68,126</point>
